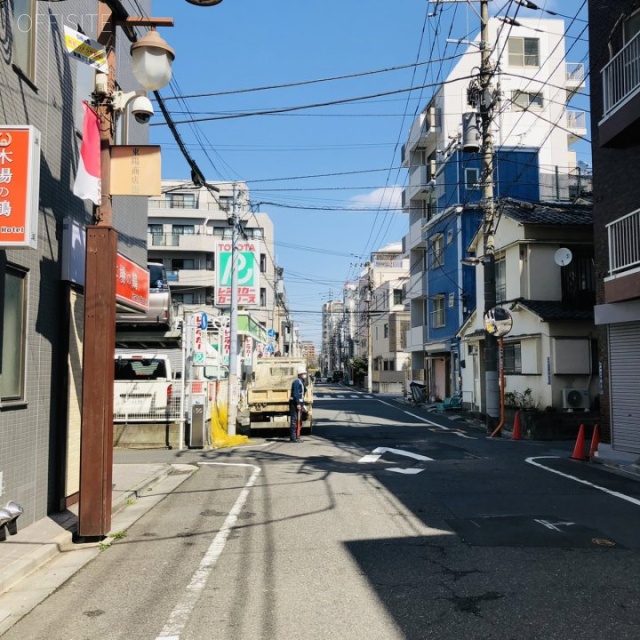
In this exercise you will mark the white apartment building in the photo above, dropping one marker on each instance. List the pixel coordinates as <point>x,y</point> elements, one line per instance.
<point>189,229</point>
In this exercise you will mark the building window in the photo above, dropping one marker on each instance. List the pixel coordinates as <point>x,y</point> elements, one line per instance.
<point>524,52</point>
<point>452,300</point>
<point>263,263</point>
<point>155,229</point>
<point>511,354</point>
<point>263,297</point>
<point>225,202</point>
<point>501,280</point>
<point>471,179</point>
<point>386,331</point>
<point>23,25</point>
<point>438,312</point>
<point>437,251</point>
<point>524,101</point>
<point>397,297</point>
<point>450,235</point>
<point>181,200</point>
<point>13,335</point>
<point>182,263</point>
<point>183,230</point>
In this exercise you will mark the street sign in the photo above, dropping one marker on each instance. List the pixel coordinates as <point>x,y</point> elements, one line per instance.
<point>204,321</point>
<point>270,348</point>
<point>86,50</point>
<point>271,333</point>
<point>198,358</point>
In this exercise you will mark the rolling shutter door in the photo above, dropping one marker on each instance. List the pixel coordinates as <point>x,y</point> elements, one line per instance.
<point>624,357</point>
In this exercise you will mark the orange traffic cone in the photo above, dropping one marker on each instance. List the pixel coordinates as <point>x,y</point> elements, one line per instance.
<point>595,441</point>
<point>578,450</point>
<point>517,429</point>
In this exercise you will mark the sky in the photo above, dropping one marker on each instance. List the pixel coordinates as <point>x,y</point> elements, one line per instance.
<point>347,79</point>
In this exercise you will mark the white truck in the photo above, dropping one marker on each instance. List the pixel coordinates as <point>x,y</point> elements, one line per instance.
<point>143,388</point>
<point>265,404</point>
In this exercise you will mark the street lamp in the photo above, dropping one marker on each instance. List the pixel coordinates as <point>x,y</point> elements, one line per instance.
<point>152,59</point>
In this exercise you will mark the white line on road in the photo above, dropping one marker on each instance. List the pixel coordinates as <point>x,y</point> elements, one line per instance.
<point>401,452</point>
<point>182,611</point>
<point>616,494</point>
<point>413,415</point>
<point>406,472</point>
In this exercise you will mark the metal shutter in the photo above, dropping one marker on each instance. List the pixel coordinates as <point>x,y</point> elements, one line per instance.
<point>624,362</point>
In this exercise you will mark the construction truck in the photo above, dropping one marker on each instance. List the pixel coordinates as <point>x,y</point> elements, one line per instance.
<point>265,402</point>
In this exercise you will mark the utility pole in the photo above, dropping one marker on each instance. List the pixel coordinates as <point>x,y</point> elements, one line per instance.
<point>369,336</point>
<point>232,397</point>
<point>487,98</point>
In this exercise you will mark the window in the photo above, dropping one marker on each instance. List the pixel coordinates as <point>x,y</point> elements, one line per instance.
<point>13,335</point>
<point>182,263</point>
<point>263,263</point>
<point>154,229</point>
<point>452,300</point>
<point>23,24</point>
<point>183,229</point>
<point>523,101</point>
<point>182,200</point>
<point>438,312</point>
<point>437,251</point>
<point>397,297</point>
<point>524,52</point>
<point>501,280</point>
<point>512,362</point>
<point>471,178</point>
<point>263,297</point>
<point>450,236</point>
<point>226,202</point>
<point>386,331</point>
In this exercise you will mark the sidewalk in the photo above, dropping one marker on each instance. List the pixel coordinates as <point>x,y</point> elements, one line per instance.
<point>35,545</point>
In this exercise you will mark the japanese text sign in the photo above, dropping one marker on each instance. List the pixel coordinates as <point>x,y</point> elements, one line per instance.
<point>132,284</point>
<point>19,186</point>
<point>248,267</point>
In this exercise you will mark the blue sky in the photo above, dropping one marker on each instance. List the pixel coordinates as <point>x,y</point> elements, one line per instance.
<point>328,176</point>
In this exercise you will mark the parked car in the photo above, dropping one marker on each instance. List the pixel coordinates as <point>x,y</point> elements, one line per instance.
<point>160,312</point>
<point>143,389</point>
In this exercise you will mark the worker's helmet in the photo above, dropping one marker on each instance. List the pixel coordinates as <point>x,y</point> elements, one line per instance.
<point>301,370</point>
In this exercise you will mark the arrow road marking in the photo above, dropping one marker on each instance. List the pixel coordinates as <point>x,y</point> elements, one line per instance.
<point>554,526</point>
<point>378,452</point>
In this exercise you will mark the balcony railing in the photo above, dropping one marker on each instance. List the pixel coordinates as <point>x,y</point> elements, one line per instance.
<point>621,76</point>
<point>624,243</point>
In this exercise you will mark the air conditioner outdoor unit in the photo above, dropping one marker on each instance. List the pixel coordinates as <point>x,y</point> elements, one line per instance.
<point>575,399</point>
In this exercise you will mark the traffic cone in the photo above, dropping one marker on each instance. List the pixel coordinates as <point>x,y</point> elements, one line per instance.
<point>595,441</point>
<point>517,429</point>
<point>578,450</point>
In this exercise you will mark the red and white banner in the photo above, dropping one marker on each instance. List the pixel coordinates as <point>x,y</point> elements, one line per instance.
<point>87,184</point>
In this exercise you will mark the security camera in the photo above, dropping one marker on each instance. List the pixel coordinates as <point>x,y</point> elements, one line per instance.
<point>142,109</point>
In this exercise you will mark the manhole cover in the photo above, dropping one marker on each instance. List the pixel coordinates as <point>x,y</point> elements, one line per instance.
<point>603,542</point>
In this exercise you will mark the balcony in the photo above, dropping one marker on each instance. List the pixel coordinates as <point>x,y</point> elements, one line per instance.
<point>417,287</point>
<point>198,242</point>
<point>420,184</point>
<point>424,132</point>
<point>193,278</point>
<point>620,91</point>
<point>623,282</point>
<point>414,240</point>
<point>416,338</point>
<point>576,125</point>
<point>574,78</point>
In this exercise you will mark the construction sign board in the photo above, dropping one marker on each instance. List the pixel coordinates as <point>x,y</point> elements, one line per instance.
<point>19,186</point>
<point>85,50</point>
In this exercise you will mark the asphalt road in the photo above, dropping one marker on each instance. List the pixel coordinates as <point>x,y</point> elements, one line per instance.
<point>386,523</point>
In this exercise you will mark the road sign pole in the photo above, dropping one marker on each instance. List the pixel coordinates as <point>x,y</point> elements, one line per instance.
<point>233,322</point>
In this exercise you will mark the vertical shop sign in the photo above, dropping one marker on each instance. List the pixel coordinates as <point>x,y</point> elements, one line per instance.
<point>19,186</point>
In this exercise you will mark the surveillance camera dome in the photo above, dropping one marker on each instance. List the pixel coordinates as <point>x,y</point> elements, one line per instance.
<point>142,109</point>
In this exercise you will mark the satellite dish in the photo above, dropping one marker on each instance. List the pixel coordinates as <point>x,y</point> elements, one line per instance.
<point>563,257</point>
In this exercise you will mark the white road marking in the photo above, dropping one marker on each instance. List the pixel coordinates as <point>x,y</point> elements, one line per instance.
<point>368,459</point>
<point>554,526</point>
<point>406,471</point>
<point>182,612</point>
<point>402,452</point>
<point>616,494</point>
<point>413,415</point>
